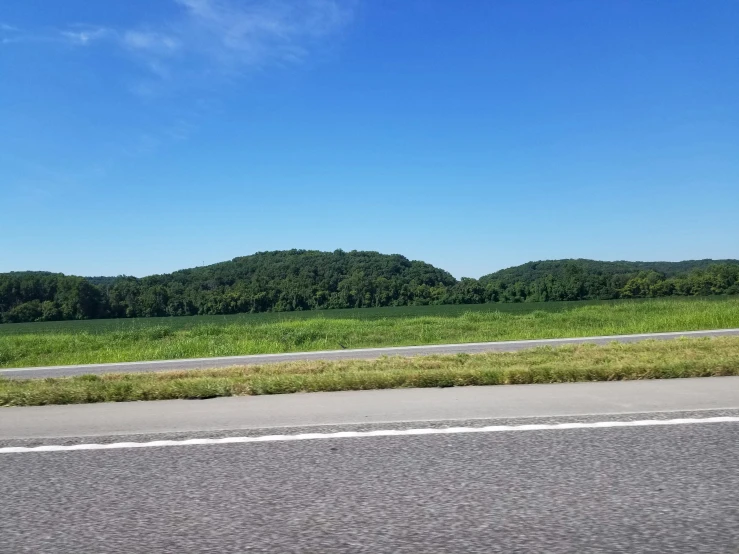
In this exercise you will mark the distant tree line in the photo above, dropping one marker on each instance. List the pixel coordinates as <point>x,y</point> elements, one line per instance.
<point>311,280</point>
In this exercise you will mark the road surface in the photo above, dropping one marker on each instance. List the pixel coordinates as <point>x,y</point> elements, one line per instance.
<point>633,467</point>
<point>363,353</point>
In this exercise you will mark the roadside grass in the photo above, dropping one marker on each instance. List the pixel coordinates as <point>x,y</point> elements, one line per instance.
<point>69,345</point>
<point>702,357</point>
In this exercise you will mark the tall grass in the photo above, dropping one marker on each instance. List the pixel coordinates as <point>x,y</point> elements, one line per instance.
<point>187,322</point>
<point>73,346</point>
<point>643,360</point>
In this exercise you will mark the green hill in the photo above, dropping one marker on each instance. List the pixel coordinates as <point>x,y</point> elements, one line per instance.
<point>534,270</point>
<point>579,279</point>
<point>265,281</point>
<point>308,280</point>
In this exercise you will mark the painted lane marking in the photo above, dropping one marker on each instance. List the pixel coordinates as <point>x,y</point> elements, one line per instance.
<point>368,434</point>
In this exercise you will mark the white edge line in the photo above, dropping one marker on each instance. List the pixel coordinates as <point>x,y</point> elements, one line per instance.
<point>381,350</point>
<point>246,429</point>
<point>367,434</point>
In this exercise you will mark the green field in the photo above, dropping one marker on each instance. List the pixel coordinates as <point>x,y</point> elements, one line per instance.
<point>188,322</point>
<point>99,341</point>
<point>616,361</point>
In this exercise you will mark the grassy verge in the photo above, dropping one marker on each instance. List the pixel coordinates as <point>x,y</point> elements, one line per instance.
<point>644,360</point>
<point>66,345</point>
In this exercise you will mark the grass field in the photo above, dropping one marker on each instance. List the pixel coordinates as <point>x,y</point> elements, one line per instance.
<point>643,360</point>
<point>99,341</point>
<point>188,322</point>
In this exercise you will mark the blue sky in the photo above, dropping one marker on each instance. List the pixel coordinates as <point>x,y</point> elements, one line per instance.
<point>144,136</point>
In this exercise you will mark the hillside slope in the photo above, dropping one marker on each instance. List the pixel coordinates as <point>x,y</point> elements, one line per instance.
<point>581,279</point>
<point>308,279</point>
<point>265,281</point>
<point>533,270</point>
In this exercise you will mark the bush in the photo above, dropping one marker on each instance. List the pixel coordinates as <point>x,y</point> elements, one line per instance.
<point>26,312</point>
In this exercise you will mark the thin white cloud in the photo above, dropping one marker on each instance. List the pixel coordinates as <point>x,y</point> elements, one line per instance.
<point>87,35</point>
<point>151,41</point>
<point>10,34</point>
<point>215,35</point>
<point>211,38</point>
<point>232,35</point>
<point>78,35</point>
<point>201,44</point>
<point>20,38</point>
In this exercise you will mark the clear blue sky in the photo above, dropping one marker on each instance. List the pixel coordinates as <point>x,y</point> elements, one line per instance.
<point>144,136</point>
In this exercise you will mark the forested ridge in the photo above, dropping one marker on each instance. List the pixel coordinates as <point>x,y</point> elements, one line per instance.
<point>309,280</point>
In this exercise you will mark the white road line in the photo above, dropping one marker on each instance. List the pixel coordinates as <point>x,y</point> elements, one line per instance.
<point>367,434</point>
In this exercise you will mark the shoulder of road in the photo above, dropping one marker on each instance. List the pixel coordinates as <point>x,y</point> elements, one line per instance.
<point>378,409</point>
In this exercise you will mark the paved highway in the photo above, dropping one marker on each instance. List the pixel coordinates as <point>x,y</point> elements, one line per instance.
<point>585,467</point>
<point>364,353</point>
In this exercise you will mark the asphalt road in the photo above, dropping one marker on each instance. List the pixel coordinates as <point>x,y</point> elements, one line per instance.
<point>622,485</point>
<point>364,353</point>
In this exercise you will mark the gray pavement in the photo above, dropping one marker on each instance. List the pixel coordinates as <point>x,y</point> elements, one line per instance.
<point>364,353</point>
<point>632,490</point>
<point>370,407</point>
<point>670,489</point>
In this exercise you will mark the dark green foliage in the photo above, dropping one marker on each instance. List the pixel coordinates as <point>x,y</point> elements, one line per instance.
<point>298,280</point>
<point>592,280</point>
<point>42,296</point>
<point>267,281</point>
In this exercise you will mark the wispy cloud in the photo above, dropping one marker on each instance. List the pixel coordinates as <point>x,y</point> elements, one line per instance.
<point>10,34</point>
<point>256,33</point>
<point>201,45</point>
<point>79,35</point>
<point>224,36</point>
<point>84,35</point>
<point>150,41</point>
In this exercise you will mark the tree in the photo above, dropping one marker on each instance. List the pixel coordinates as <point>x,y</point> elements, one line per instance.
<point>26,312</point>
<point>307,280</point>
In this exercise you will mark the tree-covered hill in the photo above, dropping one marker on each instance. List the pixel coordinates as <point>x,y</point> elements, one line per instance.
<point>283,281</point>
<point>307,280</point>
<point>590,279</point>
<point>534,270</point>
<point>104,281</point>
<point>266,281</point>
